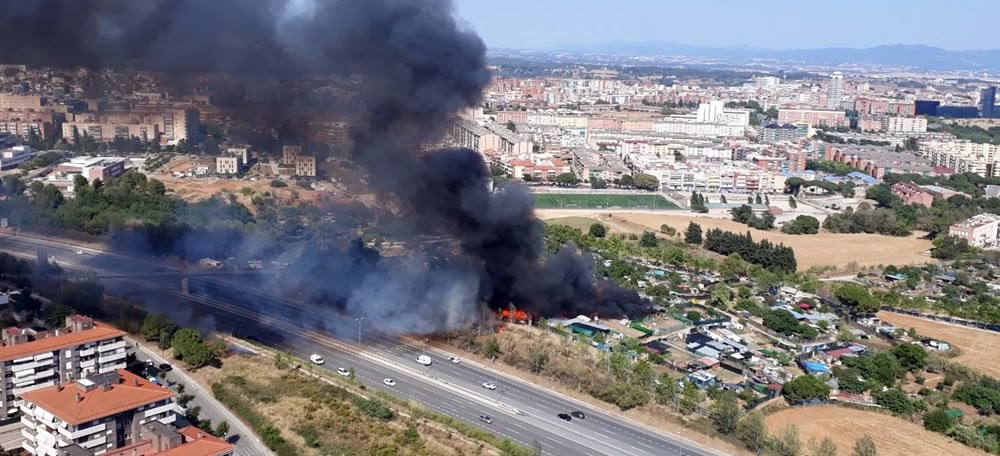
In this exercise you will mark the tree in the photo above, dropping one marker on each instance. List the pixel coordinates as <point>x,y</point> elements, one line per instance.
<point>802,224</point>
<point>896,402</point>
<point>758,200</point>
<point>910,356</point>
<point>752,431</point>
<point>788,442</point>
<point>668,230</point>
<point>598,183</point>
<point>722,199</point>
<point>858,298</point>
<point>55,317</point>
<point>156,325</point>
<point>647,182</point>
<point>865,446</point>
<point>598,230</point>
<point>792,203</point>
<point>725,412</point>
<point>804,388</point>
<point>648,240</point>
<point>222,429</point>
<point>189,347</point>
<point>627,181</point>
<point>567,179</point>
<point>491,348</point>
<point>938,420</point>
<point>692,235</point>
<point>511,126</point>
<point>949,247</point>
<point>825,448</point>
<point>278,184</point>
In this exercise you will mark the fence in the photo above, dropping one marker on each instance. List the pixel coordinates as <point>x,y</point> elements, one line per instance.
<point>945,318</point>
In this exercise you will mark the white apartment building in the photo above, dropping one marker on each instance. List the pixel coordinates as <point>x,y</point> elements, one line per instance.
<point>905,125</point>
<point>733,177</point>
<point>835,91</point>
<point>716,112</point>
<point>490,136</point>
<point>228,165</point>
<point>963,156</point>
<point>97,413</point>
<point>13,157</point>
<point>980,230</point>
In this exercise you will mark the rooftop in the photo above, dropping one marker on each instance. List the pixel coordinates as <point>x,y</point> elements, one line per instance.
<point>97,397</point>
<point>198,443</point>
<point>59,340</point>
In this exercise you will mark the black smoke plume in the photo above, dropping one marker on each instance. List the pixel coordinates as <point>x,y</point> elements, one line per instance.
<point>414,68</point>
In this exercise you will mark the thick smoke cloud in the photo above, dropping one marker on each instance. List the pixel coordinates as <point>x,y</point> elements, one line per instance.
<point>415,67</point>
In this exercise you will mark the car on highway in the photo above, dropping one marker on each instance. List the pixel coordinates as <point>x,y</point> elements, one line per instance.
<point>424,359</point>
<point>344,372</point>
<point>565,417</point>
<point>577,415</point>
<point>454,359</point>
<point>490,385</point>
<point>389,382</point>
<point>79,252</point>
<point>316,358</point>
<point>486,419</point>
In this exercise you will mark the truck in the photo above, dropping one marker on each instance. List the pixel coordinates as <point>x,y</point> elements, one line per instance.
<point>424,359</point>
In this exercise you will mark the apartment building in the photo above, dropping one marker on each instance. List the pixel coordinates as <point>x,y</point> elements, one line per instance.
<point>904,125</point>
<point>913,194</point>
<point>173,125</point>
<point>103,168</point>
<point>589,163</point>
<point>733,177</point>
<point>104,132</point>
<point>96,413</point>
<point>228,165</point>
<point>490,136</point>
<point>11,102</point>
<point>980,230</point>
<point>305,166</point>
<point>963,156</point>
<point>877,161</point>
<point>775,132</point>
<point>163,440</point>
<point>13,157</point>
<point>813,117</point>
<point>33,360</point>
<point>289,153</point>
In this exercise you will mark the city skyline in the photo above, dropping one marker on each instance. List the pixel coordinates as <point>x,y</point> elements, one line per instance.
<point>781,25</point>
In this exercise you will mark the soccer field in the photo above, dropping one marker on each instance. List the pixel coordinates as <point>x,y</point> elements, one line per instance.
<point>599,201</point>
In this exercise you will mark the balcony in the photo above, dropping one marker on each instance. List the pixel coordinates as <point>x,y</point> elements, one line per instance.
<point>169,407</point>
<point>87,352</point>
<point>28,423</point>
<point>94,442</point>
<point>112,346</point>
<point>80,433</point>
<point>108,357</point>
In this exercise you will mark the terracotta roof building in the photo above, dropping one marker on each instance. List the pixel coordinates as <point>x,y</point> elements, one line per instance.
<point>36,359</point>
<point>98,413</point>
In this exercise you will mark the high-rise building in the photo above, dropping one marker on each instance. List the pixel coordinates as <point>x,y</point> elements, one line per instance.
<point>835,91</point>
<point>987,101</point>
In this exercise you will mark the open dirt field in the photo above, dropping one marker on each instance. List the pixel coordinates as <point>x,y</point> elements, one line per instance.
<point>978,347</point>
<point>893,436</point>
<point>824,249</point>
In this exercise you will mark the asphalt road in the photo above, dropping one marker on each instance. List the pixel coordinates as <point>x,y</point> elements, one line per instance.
<point>522,412</point>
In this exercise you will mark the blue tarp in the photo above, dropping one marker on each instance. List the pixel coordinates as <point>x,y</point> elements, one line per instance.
<point>814,367</point>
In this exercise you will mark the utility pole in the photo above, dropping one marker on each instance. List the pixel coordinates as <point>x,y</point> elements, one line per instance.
<point>359,319</point>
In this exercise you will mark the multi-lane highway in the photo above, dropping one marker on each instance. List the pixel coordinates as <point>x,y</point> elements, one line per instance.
<point>522,411</point>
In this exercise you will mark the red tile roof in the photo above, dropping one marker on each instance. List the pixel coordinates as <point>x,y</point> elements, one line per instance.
<point>129,393</point>
<point>65,339</point>
<point>199,443</point>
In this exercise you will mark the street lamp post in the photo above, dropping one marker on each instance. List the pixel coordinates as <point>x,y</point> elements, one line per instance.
<point>359,328</point>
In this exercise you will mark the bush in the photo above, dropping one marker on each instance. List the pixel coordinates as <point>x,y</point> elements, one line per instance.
<point>802,224</point>
<point>938,420</point>
<point>598,230</point>
<point>375,408</point>
<point>805,388</point>
<point>278,184</point>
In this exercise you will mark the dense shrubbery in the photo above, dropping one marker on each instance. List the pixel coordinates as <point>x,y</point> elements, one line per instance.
<point>744,214</point>
<point>802,224</point>
<point>805,388</point>
<point>865,220</point>
<point>777,258</point>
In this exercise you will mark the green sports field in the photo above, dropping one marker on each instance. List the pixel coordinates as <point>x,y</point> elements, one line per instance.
<point>601,201</point>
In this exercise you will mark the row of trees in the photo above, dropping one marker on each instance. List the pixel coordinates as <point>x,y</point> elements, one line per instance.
<point>777,258</point>
<point>187,344</point>
<point>803,224</point>
<point>744,214</point>
<point>865,220</point>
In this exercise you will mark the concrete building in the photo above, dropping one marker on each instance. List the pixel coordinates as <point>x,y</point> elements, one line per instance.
<point>963,156</point>
<point>905,125</point>
<point>104,132</point>
<point>913,194</point>
<point>244,152</point>
<point>103,168</point>
<point>173,125</point>
<point>289,152</point>
<point>775,132</point>
<point>491,136</point>
<point>97,413</point>
<point>305,166</point>
<point>980,230</point>
<point>11,102</point>
<point>812,117</point>
<point>731,177</point>
<point>835,91</point>
<point>163,440</point>
<point>35,360</point>
<point>716,112</point>
<point>987,102</point>
<point>13,157</point>
<point>228,164</point>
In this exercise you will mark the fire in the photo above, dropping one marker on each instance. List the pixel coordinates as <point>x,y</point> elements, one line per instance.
<point>516,315</point>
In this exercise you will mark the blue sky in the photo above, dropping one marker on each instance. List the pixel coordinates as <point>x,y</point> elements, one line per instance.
<point>777,24</point>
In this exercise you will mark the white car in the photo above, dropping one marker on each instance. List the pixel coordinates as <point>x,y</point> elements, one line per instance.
<point>490,385</point>
<point>316,358</point>
<point>454,359</point>
<point>424,359</point>
<point>389,382</point>
<point>343,372</point>
<point>79,252</point>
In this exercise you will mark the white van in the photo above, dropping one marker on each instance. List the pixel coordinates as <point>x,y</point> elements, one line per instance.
<point>424,359</point>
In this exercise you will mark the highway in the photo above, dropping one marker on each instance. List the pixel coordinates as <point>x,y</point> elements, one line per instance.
<point>522,412</point>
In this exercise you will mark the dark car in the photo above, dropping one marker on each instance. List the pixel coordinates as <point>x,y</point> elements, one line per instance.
<point>486,419</point>
<point>166,367</point>
<point>578,415</point>
<point>565,416</point>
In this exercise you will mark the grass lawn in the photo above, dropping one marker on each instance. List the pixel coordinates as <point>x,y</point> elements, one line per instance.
<point>576,200</point>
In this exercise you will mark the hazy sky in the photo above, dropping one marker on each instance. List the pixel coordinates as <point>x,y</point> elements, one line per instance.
<point>778,24</point>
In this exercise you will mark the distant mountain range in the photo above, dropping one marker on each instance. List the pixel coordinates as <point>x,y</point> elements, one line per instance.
<point>896,55</point>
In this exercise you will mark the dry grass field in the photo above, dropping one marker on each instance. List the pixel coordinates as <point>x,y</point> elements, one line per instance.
<point>824,249</point>
<point>893,436</point>
<point>978,347</point>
